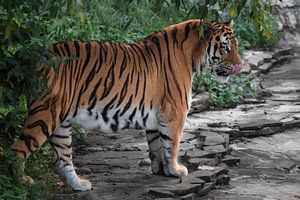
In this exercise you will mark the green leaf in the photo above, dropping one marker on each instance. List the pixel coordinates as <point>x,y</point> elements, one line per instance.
<point>203,11</point>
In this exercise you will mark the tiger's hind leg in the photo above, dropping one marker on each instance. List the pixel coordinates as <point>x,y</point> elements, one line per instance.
<point>37,129</point>
<point>171,127</point>
<point>61,141</point>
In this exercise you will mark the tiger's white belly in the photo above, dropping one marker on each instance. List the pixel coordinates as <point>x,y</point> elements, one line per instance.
<point>112,122</point>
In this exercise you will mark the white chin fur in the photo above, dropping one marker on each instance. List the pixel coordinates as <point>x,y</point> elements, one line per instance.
<point>221,79</point>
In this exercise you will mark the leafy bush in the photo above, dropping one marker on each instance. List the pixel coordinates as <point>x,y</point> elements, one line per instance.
<point>224,95</point>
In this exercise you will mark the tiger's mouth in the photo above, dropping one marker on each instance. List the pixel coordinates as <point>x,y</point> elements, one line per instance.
<point>227,71</point>
<point>235,69</point>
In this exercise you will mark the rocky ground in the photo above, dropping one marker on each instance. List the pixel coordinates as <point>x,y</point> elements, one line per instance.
<point>231,154</point>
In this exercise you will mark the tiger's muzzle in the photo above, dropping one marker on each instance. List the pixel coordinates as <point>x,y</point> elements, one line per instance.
<point>226,71</point>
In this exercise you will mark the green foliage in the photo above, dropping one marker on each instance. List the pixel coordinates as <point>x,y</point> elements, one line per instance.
<point>224,95</point>
<point>28,28</point>
<point>38,167</point>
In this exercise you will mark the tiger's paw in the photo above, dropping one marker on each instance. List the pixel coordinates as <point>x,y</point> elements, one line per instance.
<point>177,170</point>
<point>157,168</point>
<point>83,185</point>
<point>26,180</point>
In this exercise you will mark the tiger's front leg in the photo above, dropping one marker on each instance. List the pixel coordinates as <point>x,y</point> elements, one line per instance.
<point>164,145</point>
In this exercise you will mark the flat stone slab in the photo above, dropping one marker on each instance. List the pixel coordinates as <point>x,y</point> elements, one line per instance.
<point>257,125</point>
<point>231,160</point>
<point>213,139</point>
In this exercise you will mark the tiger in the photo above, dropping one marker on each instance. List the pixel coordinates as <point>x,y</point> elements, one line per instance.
<point>111,87</point>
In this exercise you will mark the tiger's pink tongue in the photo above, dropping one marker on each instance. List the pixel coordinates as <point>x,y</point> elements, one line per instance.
<point>236,68</point>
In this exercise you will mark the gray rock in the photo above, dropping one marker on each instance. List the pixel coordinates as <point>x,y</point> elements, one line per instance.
<point>187,137</point>
<point>199,154</point>
<point>195,162</point>
<point>283,52</point>
<point>213,139</point>
<point>90,196</point>
<point>198,142</point>
<point>145,162</point>
<point>284,164</point>
<point>205,175</point>
<point>186,146</point>
<point>218,149</point>
<point>83,170</point>
<point>265,68</point>
<point>207,187</point>
<point>257,125</point>
<point>255,61</point>
<point>160,192</point>
<point>164,199</point>
<point>293,124</point>
<point>231,160</point>
<point>222,180</point>
<point>246,69</point>
<point>188,197</point>
<point>186,188</point>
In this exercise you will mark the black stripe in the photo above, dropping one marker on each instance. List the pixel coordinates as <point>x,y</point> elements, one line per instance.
<point>55,49</point>
<point>186,33</point>
<point>127,106</point>
<point>174,35</point>
<point>215,50</point>
<point>87,59</point>
<point>20,151</point>
<point>137,85</point>
<point>39,108</point>
<point>66,126</point>
<point>186,98</point>
<point>137,125</point>
<point>151,131</point>
<point>145,119</point>
<point>165,137</point>
<point>61,146</point>
<point>93,94</point>
<point>53,112</point>
<point>27,139</point>
<point>144,91</point>
<point>77,49</point>
<point>109,82</point>
<point>156,42</point>
<point>62,50</point>
<point>170,65</point>
<point>123,64</point>
<point>132,114</point>
<point>67,48</point>
<point>143,55</point>
<point>115,126</point>
<point>104,112</point>
<point>123,91</point>
<point>78,101</point>
<point>153,139</point>
<point>67,155</point>
<point>42,124</point>
<point>61,136</point>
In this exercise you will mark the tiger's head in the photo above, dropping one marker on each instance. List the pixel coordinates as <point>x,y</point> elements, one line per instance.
<point>222,57</point>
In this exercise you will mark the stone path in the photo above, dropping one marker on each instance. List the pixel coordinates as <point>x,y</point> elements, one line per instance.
<point>224,158</point>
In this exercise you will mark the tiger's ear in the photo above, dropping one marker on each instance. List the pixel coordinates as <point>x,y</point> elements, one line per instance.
<point>229,23</point>
<point>205,30</point>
